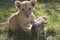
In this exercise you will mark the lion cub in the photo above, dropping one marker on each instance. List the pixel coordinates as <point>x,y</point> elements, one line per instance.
<point>23,16</point>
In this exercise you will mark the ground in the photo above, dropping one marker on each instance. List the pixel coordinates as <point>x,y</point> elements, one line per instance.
<point>50,9</point>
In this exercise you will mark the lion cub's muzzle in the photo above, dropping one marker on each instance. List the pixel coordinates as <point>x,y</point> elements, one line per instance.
<point>27,15</point>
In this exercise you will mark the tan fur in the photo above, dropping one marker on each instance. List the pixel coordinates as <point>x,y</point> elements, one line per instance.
<point>19,18</point>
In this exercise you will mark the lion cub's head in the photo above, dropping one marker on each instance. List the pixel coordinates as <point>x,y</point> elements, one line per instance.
<point>25,7</point>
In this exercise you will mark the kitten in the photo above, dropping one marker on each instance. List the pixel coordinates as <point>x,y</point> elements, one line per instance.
<point>24,15</point>
<point>38,29</point>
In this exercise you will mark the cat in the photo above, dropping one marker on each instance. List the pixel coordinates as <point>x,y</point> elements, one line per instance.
<point>24,15</point>
<point>38,28</point>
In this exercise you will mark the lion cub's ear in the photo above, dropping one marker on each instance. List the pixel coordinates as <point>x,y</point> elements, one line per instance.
<point>33,2</point>
<point>17,3</point>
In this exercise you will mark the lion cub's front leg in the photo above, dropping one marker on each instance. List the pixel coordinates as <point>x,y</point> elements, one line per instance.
<point>13,22</point>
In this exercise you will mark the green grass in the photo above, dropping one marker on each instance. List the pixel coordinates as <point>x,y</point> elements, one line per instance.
<point>52,10</point>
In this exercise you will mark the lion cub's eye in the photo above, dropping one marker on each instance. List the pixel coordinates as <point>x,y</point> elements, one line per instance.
<point>29,8</point>
<point>22,9</point>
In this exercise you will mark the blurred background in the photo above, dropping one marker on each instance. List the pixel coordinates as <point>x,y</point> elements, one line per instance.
<point>49,8</point>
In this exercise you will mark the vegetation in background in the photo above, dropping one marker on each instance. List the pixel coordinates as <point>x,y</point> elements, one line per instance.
<point>50,8</point>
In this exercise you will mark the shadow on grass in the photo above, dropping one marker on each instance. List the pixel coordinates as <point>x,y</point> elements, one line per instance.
<point>20,35</point>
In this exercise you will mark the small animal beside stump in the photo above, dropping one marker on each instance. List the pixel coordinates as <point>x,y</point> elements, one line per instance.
<point>38,29</point>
